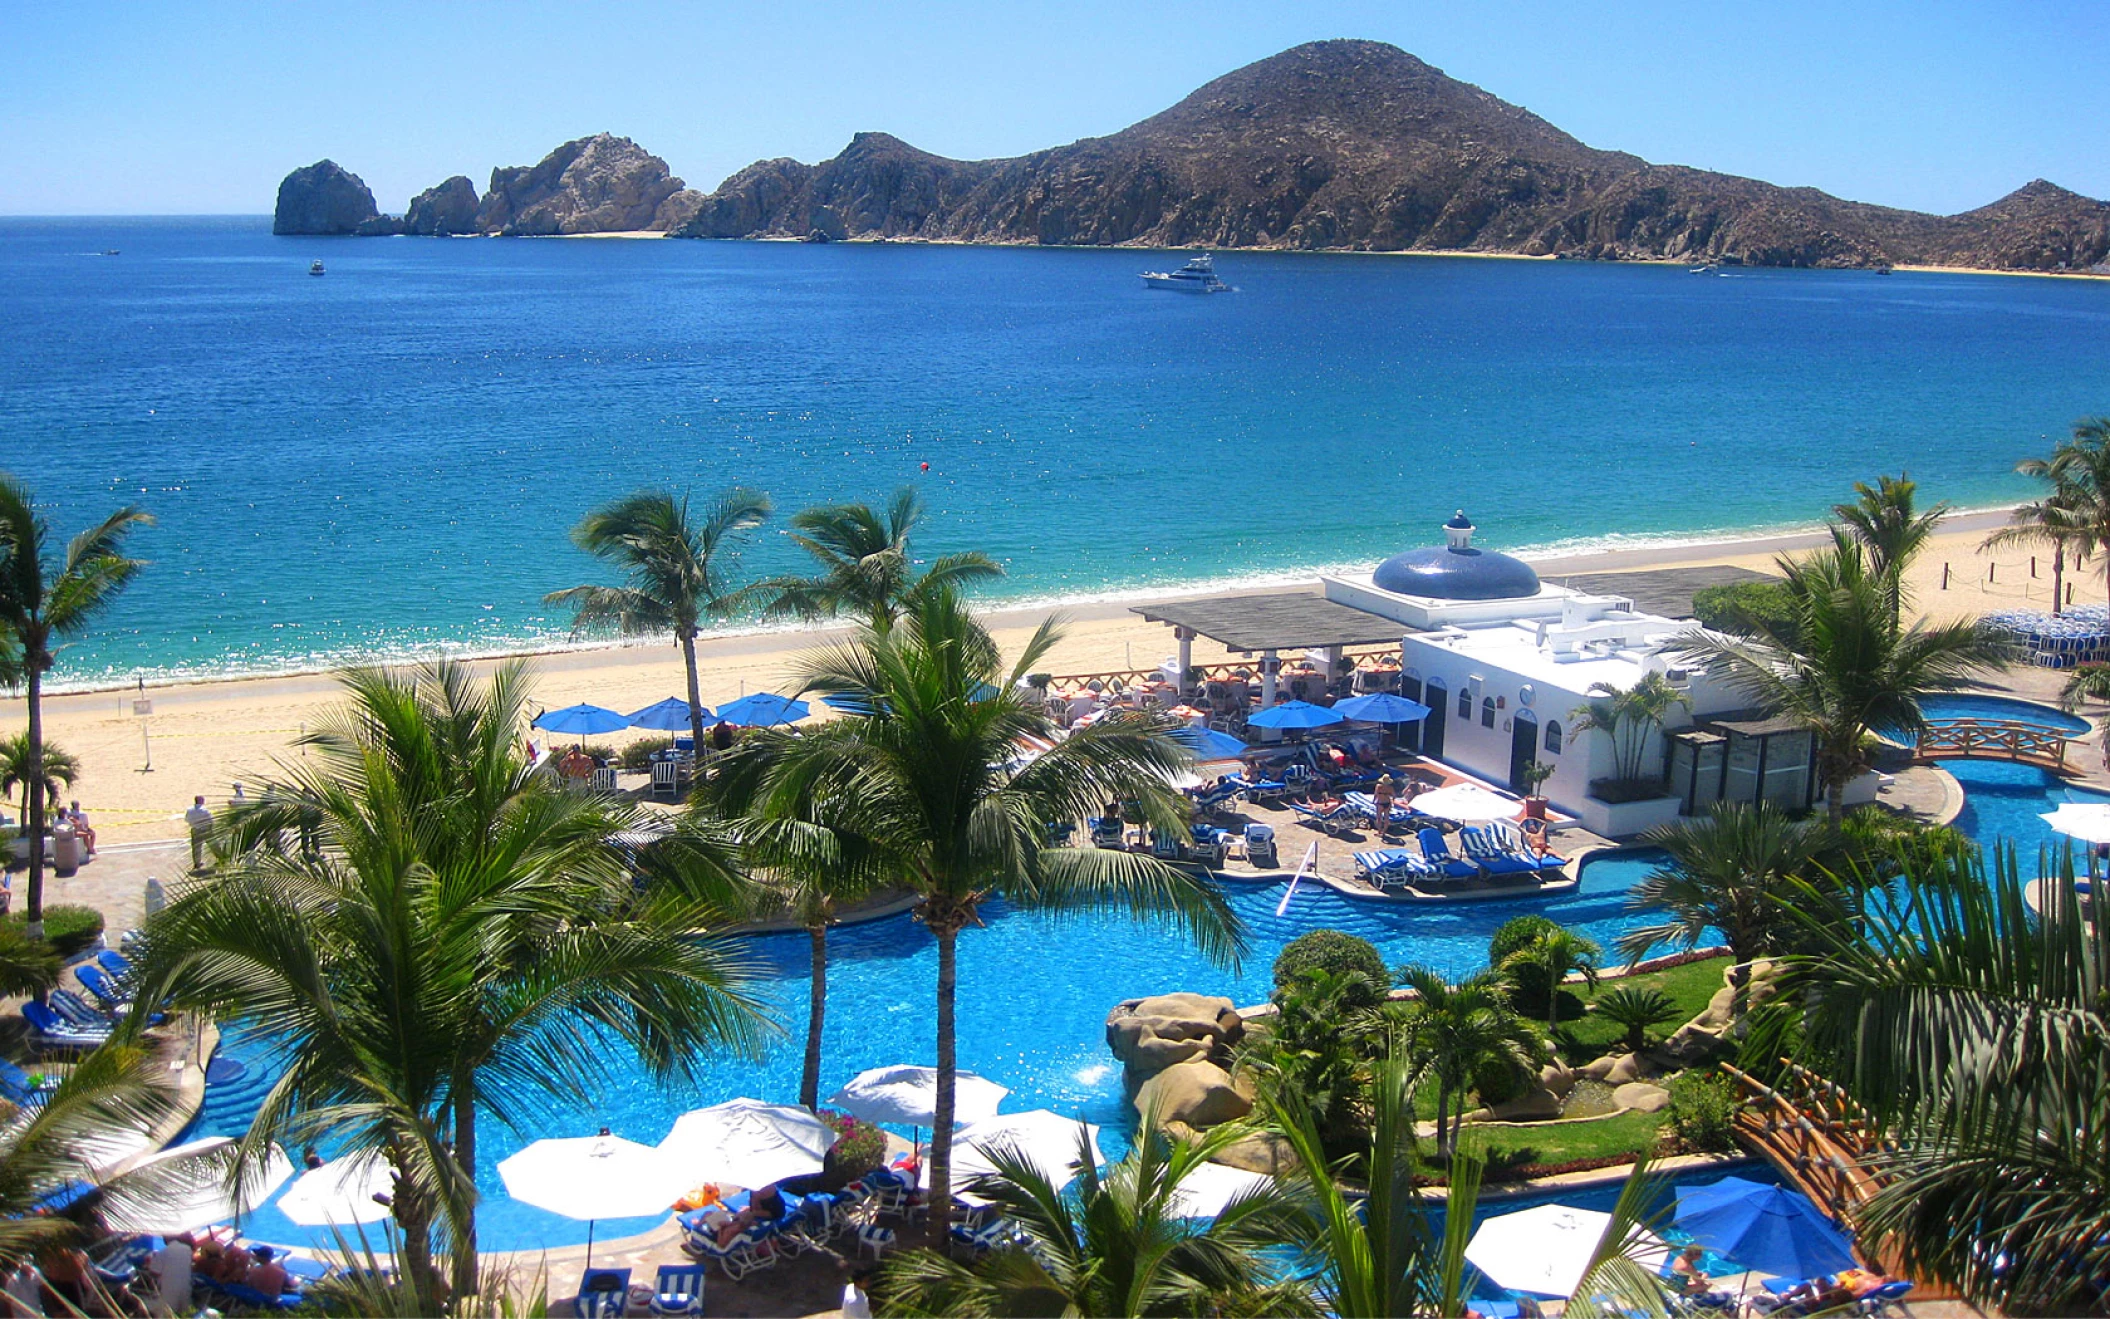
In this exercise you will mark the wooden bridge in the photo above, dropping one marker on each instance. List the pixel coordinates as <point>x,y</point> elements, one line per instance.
<point>2005,739</point>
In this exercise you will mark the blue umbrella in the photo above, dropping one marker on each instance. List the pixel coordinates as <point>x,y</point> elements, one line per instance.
<point>1763,1227</point>
<point>1207,743</point>
<point>1295,714</point>
<point>763,710</point>
<point>581,720</point>
<point>1383,708</point>
<point>668,716</point>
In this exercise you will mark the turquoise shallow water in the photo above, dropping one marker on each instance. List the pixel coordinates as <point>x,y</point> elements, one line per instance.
<point>384,461</point>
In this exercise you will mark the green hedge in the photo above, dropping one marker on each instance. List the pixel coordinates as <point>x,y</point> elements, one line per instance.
<point>68,929</point>
<point>1746,608</point>
<point>1330,950</point>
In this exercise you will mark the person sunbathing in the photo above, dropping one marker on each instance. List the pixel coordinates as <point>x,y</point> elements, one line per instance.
<point>764,1206</point>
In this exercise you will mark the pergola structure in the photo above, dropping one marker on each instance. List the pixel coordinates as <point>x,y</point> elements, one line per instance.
<point>1268,625</point>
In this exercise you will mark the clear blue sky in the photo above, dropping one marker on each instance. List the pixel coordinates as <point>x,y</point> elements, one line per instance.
<point>202,108</point>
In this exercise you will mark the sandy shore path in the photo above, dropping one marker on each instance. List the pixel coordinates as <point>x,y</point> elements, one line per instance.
<point>205,737</point>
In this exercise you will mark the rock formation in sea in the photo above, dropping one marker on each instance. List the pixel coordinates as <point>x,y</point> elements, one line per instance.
<point>592,185</point>
<point>1359,145</point>
<point>448,208</point>
<point>322,198</point>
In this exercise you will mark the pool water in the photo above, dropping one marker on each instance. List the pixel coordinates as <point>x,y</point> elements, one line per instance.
<point>1034,993</point>
<point>1971,705</point>
<point>2003,802</point>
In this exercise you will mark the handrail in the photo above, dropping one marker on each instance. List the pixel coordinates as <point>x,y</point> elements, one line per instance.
<point>2012,738</point>
<point>1308,864</point>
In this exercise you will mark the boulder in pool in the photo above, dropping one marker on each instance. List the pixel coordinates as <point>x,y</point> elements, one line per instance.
<point>1197,1093</point>
<point>1151,1034</point>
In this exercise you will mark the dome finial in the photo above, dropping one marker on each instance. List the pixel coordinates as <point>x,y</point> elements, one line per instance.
<point>1459,531</point>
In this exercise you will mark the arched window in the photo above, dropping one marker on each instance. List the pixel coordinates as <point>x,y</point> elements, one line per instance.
<point>1487,713</point>
<point>1465,704</point>
<point>1553,737</point>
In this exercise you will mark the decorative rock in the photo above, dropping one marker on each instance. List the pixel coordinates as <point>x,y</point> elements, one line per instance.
<point>1628,1067</point>
<point>449,208</point>
<point>1557,1079</point>
<point>322,198</point>
<point>1150,1034</point>
<point>1711,1034</point>
<point>1534,1105</point>
<point>1197,1093</point>
<point>1262,1152</point>
<point>1596,1069</point>
<point>1641,1097</point>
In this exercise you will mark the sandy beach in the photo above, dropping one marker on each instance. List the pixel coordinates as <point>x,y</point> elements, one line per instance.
<point>205,737</point>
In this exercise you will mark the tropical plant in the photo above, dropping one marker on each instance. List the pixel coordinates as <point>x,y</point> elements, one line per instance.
<point>461,936</point>
<point>112,1093</point>
<point>1765,608</point>
<point>59,771</point>
<point>1891,529</point>
<point>2052,521</point>
<point>676,567</point>
<point>69,927</point>
<point>1977,1032</point>
<point>1728,871</point>
<point>27,966</point>
<point>928,779</point>
<point>47,599</point>
<point>1329,950</point>
<point>1703,1111</point>
<point>1457,1032</point>
<point>1318,1046</point>
<point>865,566</point>
<point>1535,970</point>
<point>1116,1244</point>
<point>2076,514</point>
<point>1633,718</point>
<point>1384,1254</point>
<point>1636,1008</point>
<point>1851,668</point>
<point>1534,776</point>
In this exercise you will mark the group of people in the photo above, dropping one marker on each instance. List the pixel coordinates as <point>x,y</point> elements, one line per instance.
<point>1811,1296</point>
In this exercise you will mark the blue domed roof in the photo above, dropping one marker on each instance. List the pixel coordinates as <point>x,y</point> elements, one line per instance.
<point>1457,571</point>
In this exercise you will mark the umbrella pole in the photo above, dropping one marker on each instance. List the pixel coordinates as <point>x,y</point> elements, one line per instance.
<point>588,1267</point>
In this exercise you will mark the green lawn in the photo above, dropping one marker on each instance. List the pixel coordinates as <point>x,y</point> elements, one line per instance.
<point>1689,986</point>
<point>1618,1137</point>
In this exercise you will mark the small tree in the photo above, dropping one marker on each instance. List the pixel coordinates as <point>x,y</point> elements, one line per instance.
<point>1329,950</point>
<point>59,771</point>
<point>1632,718</point>
<point>1636,1009</point>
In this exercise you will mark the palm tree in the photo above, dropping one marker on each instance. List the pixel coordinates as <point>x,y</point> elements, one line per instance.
<point>2048,521</point>
<point>58,768</point>
<point>676,577</point>
<point>1977,1032</point>
<point>1851,667</point>
<point>1318,1045</point>
<point>1384,1254</point>
<point>2077,512</point>
<point>46,600</point>
<point>1635,1009</point>
<point>27,966</point>
<point>1459,1030</point>
<point>1728,871</point>
<point>1115,1245</point>
<point>1541,966</point>
<point>1631,718</point>
<point>1890,529</point>
<point>111,1093</point>
<point>865,568</point>
<point>929,780</point>
<point>461,935</point>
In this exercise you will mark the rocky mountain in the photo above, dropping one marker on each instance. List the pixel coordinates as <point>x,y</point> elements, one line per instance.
<point>448,208</point>
<point>592,185</point>
<point>322,198</point>
<point>1359,145</point>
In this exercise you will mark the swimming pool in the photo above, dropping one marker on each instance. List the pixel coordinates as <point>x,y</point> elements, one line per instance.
<point>1972,705</point>
<point>1034,993</point>
<point>2003,800</point>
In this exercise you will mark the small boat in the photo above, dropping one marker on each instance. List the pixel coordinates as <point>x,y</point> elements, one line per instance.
<point>1882,270</point>
<point>1197,276</point>
<point>109,251</point>
<point>316,268</point>
<point>1699,270</point>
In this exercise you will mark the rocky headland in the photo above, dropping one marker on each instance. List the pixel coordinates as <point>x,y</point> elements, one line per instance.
<point>1334,145</point>
<point>322,198</point>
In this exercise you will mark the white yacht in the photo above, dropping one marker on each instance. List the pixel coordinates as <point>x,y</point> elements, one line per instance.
<point>1197,276</point>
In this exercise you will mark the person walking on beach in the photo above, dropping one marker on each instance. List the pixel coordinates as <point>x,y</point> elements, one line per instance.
<point>199,818</point>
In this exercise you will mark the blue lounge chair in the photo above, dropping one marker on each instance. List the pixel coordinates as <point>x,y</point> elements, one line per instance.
<point>76,1012</point>
<point>1217,796</point>
<point>678,1290</point>
<point>1511,840</point>
<point>15,1086</point>
<point>115,963</point>
<point>95,982</point>
<point>53,1031</point>
<point>1379,862</point>
<point>1879,1301</point>
<point>1108,833</point>
<point>603,1294</point>
<point>251,1298</point>
<point>1438,854</point>
<point>1326,817</point>
<point>1260,846</point>
<point>1482,849</point>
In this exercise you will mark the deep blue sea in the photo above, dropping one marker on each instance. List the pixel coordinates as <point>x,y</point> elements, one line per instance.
<point>385,460</point>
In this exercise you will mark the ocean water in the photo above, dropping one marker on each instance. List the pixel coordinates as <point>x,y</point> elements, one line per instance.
<point>385,461</point>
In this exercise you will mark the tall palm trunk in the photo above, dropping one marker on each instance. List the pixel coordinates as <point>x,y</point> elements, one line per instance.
<point>33,806</point>
<point>816,1017</point>
<point>1443,1112</point>
<point>2058,577</point>
<point>412,1205</point>
<point>688,659</point>
<point>948,932</point>
<point>465,1260</point>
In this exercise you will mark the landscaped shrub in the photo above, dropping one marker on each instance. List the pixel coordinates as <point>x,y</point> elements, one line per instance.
<point>1529,982</point>
<point>1516,934</point>
<point>1330,950</point>
<point>1499,1080</point>
<point>1746,608</point>
<point>29,965</point>
<point>637,757</point>
<point>859,1146</point>
<point>1703,1111</point>
<point>1636,1009</point>
<point>68,929</point>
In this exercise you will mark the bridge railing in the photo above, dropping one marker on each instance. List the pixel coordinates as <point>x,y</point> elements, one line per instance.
<point>2010,738</point>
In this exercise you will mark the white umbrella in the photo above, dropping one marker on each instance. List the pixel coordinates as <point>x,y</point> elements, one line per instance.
<point>2088,822</point>
<point>1206,1190</point>
<point>186,1187</point>
<point>1045,1140</point>
<point>747,1143</point>
<point>1545,1250</point>
<point>341,1191</point>
<point>908,1095</point>
<point>592,1177</point>
<point>1468,803</point>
